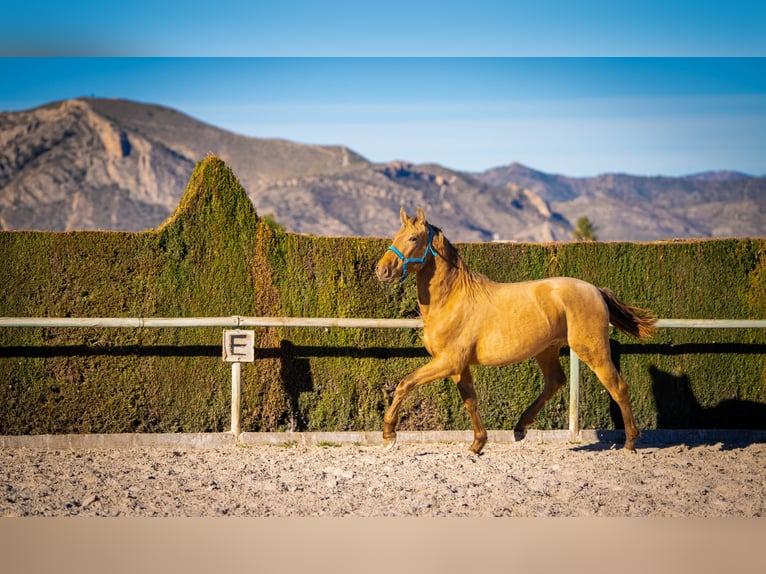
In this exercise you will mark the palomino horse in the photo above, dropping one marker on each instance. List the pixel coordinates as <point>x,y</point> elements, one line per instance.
<point>471,320</point>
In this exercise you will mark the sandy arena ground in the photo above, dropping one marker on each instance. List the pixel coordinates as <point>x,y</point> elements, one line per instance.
<point>439,479</point>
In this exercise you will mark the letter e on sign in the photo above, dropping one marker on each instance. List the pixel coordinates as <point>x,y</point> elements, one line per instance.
<point>238,346</point>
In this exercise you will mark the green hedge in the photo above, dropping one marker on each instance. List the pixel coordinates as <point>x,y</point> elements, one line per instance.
<point>215,257</point>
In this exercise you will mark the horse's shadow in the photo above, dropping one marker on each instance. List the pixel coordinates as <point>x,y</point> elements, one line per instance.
<point>295,374</point>
<point>681,419</point>
<point>297,378</point>
<point>677,407</point>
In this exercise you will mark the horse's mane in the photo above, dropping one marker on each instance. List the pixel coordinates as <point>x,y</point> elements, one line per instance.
<point>451,255</point>
<point>446,250</point>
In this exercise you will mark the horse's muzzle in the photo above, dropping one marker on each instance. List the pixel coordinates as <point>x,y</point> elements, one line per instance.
<point>386,273</point>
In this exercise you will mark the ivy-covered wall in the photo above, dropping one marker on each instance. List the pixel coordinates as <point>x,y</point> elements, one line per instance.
<point>215,257</point>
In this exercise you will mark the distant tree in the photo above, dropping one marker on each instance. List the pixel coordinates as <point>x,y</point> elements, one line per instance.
<point>585,230</point>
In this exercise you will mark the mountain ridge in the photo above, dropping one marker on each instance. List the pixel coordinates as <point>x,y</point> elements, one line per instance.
<point>647,208</point>
<point>115,164</point>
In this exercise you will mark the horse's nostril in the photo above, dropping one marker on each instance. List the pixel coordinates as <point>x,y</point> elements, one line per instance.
<point>382,272</point>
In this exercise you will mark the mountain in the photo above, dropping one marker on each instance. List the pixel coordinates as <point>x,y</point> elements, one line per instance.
<point>115,164</point>
<point>713,204</point>
<point>120,165</point>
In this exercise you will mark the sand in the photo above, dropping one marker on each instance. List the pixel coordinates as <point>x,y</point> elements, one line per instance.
<point>438,479</point>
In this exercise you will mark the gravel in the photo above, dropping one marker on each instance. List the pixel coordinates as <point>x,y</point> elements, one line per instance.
<point>438,479</point>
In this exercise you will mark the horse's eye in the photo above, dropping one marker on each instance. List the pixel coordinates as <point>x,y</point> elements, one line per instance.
<point>413,238</point>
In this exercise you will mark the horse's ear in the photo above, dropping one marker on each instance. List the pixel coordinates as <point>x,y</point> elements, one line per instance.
<point>421,216</point>
<point>404,217</point>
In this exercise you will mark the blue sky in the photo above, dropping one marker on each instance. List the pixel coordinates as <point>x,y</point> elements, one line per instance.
<point>570,87</point>
<point>384,27</point>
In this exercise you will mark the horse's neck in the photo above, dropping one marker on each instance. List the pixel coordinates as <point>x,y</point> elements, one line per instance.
<point>438,282</point>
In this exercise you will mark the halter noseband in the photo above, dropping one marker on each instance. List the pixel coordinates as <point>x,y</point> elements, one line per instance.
<point>429,249</point>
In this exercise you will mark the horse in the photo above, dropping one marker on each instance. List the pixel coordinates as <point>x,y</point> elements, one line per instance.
<point>469,319</point>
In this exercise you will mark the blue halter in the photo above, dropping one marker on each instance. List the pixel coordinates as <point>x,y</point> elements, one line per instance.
<point>429,249</point>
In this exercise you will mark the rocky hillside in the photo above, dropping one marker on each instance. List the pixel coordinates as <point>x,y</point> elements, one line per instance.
<point>115,164</point>
<point>65,166</point>
<point>715,204</point>
<point>120,165</point>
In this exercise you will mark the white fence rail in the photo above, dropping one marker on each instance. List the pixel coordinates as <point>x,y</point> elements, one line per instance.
<point>233,322</point>
<point>236,322</point>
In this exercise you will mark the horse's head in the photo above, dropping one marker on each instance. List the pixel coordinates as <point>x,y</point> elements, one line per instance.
<point>410,249</point>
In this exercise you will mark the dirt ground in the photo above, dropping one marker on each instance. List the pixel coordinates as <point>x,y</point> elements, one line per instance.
<point>439,479</point>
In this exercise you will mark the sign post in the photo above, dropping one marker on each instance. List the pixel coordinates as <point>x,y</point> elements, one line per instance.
<point>238,348</point>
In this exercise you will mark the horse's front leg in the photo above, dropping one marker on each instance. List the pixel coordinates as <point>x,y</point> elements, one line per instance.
<point>428,373</point>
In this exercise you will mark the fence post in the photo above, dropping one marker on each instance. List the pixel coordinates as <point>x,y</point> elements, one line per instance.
<point>574,396</point>
<point>238,346</point>
<point>236,370</point>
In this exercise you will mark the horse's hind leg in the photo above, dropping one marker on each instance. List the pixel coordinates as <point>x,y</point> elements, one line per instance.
<point>554,377</point>
<point>601,363</point>
<point>467,391</point>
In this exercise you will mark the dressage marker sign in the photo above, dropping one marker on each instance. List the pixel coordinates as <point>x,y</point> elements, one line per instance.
<point>238,348</point>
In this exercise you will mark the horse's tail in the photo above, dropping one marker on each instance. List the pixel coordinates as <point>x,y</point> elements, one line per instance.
<point>631,320</point>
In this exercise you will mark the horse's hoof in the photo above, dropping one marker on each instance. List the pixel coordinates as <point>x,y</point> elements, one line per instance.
<point>630,443</point>
<point>478,444</point>
<point>389,442</point>
<point>519,435</point>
